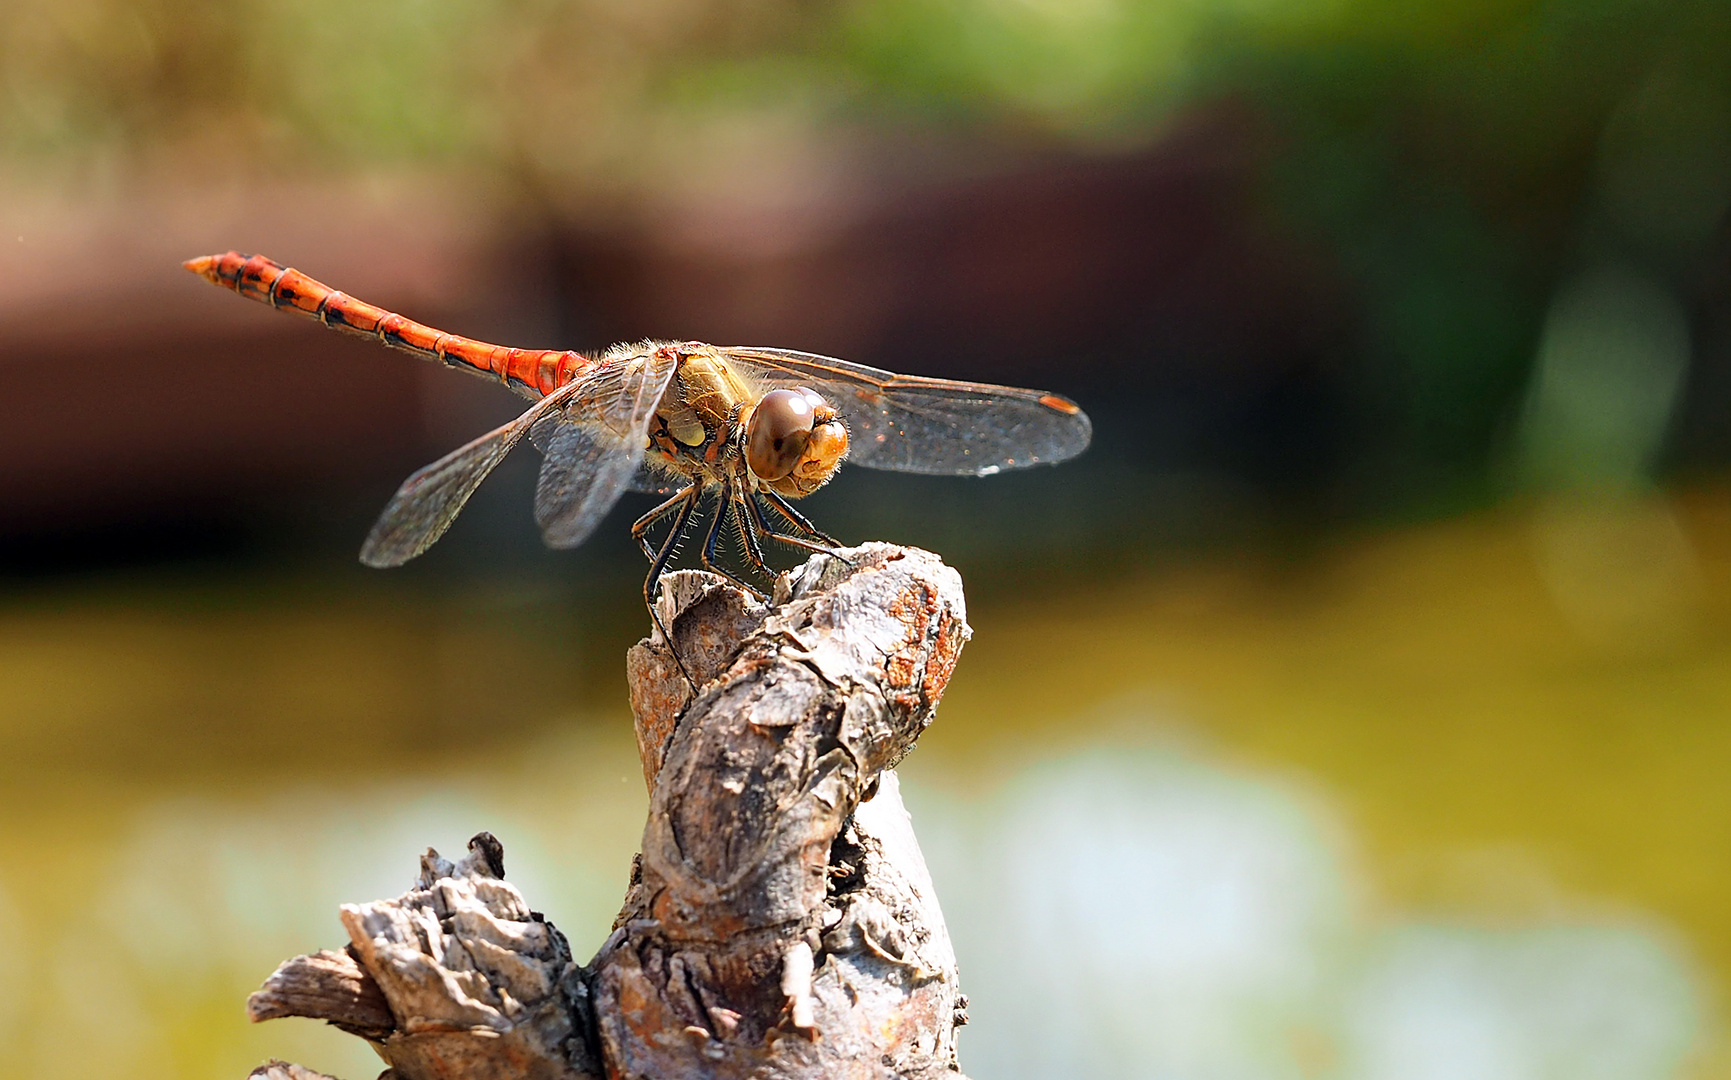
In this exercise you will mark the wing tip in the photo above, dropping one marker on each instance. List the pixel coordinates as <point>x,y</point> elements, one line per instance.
<point>1081,434</point>
<point>381,560</point>
<point>384,551</point>
<point>1060,403</point>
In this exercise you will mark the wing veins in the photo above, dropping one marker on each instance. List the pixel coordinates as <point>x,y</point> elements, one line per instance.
<point>911,423</point>
<point>425,505</point>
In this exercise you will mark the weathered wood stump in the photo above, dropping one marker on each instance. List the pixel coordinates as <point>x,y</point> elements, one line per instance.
<point>779,923</point>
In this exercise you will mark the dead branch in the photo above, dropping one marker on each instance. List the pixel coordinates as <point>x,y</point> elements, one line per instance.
<point>779,921</point>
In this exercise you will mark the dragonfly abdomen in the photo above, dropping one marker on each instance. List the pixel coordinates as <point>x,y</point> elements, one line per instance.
<point>533,371</point>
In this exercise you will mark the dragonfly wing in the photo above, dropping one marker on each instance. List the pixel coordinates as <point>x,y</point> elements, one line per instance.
<point>424,507</point>
<point>594,447</point>
<point>906,423</point>
<point>649,480</point>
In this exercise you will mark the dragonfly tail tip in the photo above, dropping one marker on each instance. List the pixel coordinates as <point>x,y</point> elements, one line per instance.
<point>204,266</point>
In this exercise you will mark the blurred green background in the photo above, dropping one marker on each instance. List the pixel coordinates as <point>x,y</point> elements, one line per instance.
<point>1359,707</point>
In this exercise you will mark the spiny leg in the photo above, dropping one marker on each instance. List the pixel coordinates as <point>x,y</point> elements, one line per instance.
<point>662,557</point>
<point>762,523</point>
<point>750,521</point>
<point>640,527</point>
<point>706,555</point>
<point>748,536</point>
<point>786,510</point>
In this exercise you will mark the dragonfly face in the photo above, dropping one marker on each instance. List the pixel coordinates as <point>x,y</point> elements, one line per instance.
<point>794,441</point>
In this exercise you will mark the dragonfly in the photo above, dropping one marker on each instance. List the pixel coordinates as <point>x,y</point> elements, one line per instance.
<point>741,431</point>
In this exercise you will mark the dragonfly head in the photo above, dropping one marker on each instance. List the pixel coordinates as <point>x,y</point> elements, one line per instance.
<point>794,441</point>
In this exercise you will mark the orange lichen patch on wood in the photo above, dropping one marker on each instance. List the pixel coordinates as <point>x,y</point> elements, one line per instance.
<point>946,650</point>
<point>640,1009</point>
<point>915,611</point>
<point>653,732</point>
<point>688,921</point>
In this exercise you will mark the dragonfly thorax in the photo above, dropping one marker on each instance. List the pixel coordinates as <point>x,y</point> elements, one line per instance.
<point>715,425</point>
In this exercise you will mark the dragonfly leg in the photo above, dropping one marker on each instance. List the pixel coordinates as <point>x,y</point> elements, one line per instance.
<point>640,528</point>
<point>753,549</point>
<point>706,556</point>
<point>762,523</point>
<point>786,510</point>
<point>687,502</point>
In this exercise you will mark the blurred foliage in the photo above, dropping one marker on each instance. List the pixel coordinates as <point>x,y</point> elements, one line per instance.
<point>1508,96</point>
<point>1457,162</point>
<point>1493,100</point>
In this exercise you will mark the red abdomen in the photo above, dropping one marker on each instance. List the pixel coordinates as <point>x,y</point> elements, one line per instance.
<point>532,371</point>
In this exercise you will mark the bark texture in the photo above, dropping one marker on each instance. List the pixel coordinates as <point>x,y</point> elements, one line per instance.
<point>780,922</point>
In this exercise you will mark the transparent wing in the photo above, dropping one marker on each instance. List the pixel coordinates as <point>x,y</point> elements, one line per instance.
<point>906,423</point>
<point>424,507</point>
<point>648,480</point>
<point>594,446</point>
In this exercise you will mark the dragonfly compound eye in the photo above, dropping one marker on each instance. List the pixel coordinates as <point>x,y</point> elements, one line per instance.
<point>777,433</point>
<point>824,450</point>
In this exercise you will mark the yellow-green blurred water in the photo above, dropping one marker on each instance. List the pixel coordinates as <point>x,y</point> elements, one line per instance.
<point>1440,801</point>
